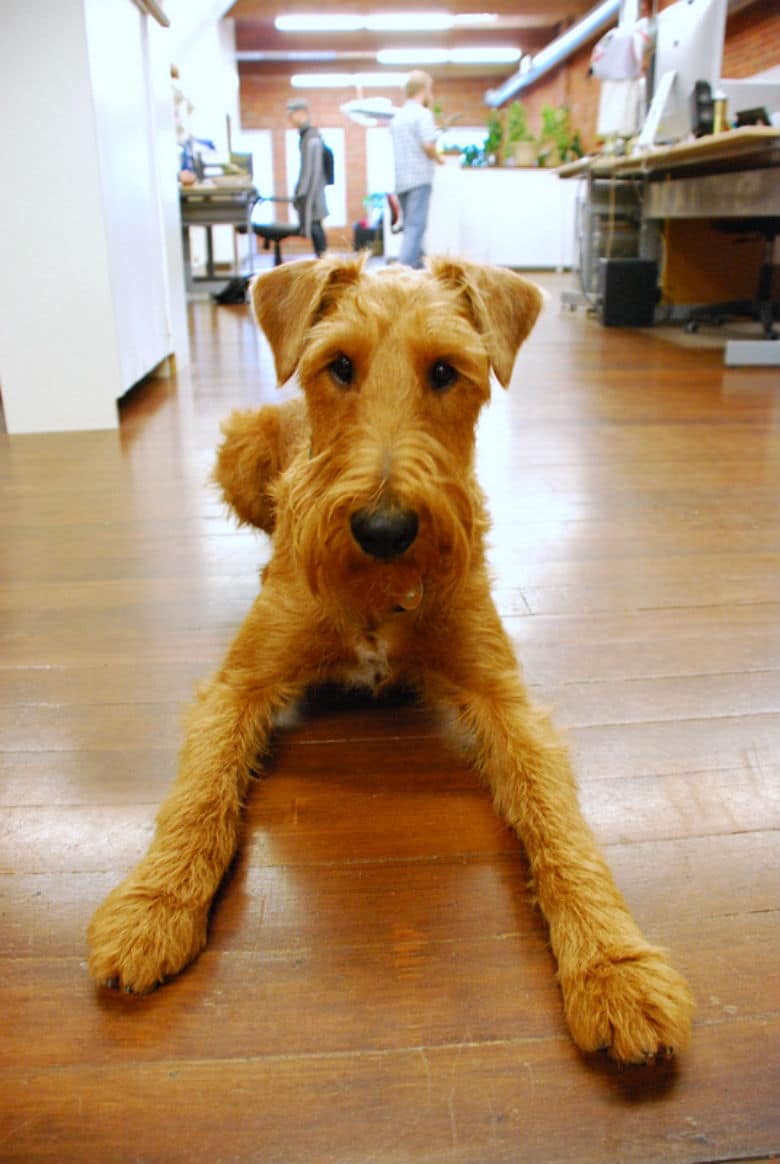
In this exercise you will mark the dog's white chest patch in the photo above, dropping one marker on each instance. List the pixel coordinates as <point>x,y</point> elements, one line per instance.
<point>372,666</point>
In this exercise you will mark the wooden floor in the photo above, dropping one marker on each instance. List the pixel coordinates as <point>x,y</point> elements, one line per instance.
<point>377,986</point>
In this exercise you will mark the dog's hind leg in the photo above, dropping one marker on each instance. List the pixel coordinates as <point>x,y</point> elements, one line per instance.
<point>258,446</point>
<point>155,922</point>
<point>619,992</point>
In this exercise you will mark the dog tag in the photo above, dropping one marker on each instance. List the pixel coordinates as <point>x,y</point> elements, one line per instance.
<point>413,596</point>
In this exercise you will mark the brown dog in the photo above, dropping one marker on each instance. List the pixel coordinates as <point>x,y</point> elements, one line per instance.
<point>378,576</point>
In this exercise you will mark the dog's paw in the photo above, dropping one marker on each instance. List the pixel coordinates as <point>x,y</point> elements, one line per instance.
<point>139,938</point>
<point>630,1003</point>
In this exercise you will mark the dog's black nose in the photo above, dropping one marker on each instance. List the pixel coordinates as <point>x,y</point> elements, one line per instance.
<point>384,533</point>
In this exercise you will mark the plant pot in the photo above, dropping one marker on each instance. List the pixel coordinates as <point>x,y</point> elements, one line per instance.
<point>524,153</point>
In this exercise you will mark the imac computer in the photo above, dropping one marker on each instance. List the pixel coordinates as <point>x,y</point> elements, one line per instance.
<point>688,48</point>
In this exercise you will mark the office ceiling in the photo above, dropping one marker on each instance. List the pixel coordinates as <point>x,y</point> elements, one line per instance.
<point>524,24</point>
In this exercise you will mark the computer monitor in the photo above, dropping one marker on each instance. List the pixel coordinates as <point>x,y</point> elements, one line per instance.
<point>688,48</point>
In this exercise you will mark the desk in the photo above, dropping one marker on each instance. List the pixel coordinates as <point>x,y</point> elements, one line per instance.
<point>501,215</point>
<point>209,206</point>
<point>752,147</point>
<point>728,175</point>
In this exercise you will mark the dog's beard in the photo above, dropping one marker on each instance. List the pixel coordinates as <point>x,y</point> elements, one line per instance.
<point>339,573</point>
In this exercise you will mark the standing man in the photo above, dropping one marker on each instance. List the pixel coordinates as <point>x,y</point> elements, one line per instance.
<point>309,196</point>
<point>414,143</point>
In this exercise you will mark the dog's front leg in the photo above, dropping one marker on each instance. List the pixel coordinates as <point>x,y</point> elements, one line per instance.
<point>619,992</point>
<point>154,923</point>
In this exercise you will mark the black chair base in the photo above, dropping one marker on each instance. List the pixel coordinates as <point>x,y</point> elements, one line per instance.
<point>763,308</point>
<point>716,314</point>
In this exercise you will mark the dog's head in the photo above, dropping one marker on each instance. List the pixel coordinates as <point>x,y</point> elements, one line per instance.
<point>395,366</point>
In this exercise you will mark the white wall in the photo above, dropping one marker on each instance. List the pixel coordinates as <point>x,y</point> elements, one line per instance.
<point>91,288</point>
<point>208,76</point>
<point>507,217</point>
<point>55,269</point>
<point>129,178</point>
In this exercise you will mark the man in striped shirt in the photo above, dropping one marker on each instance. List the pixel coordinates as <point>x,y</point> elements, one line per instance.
<point>413,131</point>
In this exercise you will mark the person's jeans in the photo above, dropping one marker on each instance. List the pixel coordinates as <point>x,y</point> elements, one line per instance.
<point>414,206</point>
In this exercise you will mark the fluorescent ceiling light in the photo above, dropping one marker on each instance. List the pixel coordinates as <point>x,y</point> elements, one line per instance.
<point>500,55</point>
<point>474,19</point>
<point>319,56</point>
<point>383,21</point>
<point>409,22</point>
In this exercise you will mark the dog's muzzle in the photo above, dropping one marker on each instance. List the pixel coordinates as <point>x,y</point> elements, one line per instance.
<point>384,533</point>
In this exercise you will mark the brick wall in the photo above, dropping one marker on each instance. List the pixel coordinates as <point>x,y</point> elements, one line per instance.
<point>752,45</point>
<point>752,40</point>
<point>264,99</point>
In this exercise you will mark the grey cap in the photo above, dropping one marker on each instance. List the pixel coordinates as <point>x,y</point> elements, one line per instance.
<point>297,103</point>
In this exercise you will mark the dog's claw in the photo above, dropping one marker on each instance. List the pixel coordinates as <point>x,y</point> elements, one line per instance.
<point>139,939</point>
<point>631,1004</point>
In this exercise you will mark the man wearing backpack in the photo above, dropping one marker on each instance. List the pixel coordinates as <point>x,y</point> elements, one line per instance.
<point>309,195</point>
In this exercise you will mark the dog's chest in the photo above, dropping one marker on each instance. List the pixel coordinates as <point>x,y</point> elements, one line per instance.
<point>371,667</point>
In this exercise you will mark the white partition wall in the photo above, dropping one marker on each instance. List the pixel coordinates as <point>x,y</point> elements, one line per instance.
<point>380,165</point>
<point>91,287</point>
<point>509,217</point>
<point>128,183</point>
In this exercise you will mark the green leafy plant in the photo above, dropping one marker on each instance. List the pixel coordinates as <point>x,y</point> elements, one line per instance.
<point>495,135</point>
<point>473,156</point>
<point>517,124</point>
<point>560,143</point>
<point>520,143</point>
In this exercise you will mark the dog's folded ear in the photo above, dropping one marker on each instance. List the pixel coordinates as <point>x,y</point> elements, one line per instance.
<point>503,307</point>
<point>288,299</point>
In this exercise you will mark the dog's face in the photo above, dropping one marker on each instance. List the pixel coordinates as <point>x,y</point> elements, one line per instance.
<point>395,367</point>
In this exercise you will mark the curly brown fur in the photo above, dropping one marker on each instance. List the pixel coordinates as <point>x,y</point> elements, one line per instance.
<point>378,576</point>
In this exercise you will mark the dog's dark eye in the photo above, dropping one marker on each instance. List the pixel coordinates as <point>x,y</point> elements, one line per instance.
<point>341,370</point>
<point>442,376</point>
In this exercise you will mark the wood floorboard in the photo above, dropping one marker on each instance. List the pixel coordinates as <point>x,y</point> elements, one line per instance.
<point>378,985</point>
<point>265,906</point>
<point>488,1102</point>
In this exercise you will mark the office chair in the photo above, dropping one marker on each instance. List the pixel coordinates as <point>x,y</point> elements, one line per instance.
<point>762,308</point>
<point>273,232</point>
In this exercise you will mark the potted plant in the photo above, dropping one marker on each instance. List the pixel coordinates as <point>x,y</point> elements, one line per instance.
<point>494,139</point>
<point>560,143</point>
<point>520,145</point>
<point>473,156</point>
